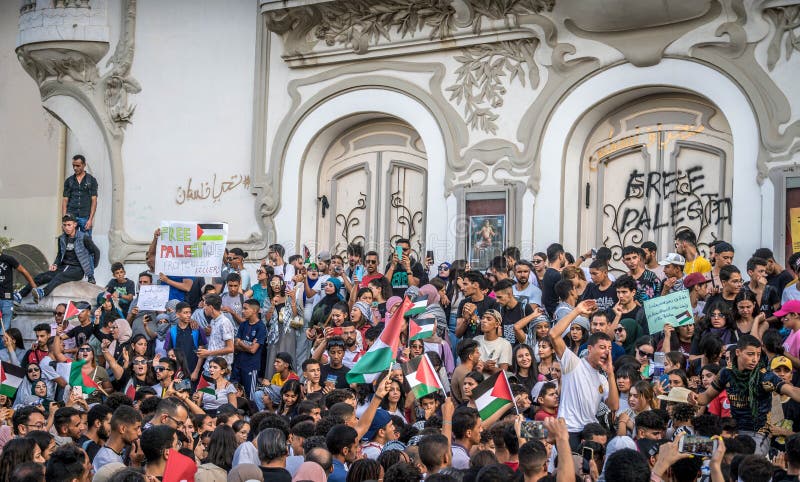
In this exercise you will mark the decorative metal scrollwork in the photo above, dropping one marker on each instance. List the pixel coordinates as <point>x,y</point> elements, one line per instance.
<point>407,222</point>
<point>348,222</point>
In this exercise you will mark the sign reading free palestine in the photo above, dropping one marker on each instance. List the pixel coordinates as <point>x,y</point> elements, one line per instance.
<point>191,248</point>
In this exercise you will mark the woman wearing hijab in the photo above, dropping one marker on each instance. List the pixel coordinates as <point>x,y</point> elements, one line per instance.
<point>627,333</point>
<point>391,306</point>
<point>310,471</point>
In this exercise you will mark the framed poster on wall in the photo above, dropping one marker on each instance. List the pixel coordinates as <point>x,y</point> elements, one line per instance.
<point>487,238</point>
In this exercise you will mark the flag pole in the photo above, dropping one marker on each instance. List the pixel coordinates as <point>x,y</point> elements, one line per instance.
<point>513,398</point>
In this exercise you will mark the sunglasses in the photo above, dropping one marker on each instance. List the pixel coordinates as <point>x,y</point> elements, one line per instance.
<point>84,350</point>
<point>140,362</point>
<point>158,369</point>
<point>371,261</point>
<point>537,261</point>
<point>33,370</point>
<point>443,268</point>
<point>58,313</point>
<point>644,353</point>
<point>619,329</point>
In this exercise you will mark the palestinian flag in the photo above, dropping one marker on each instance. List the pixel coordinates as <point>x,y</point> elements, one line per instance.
<point>11,377</point>
<point>383,352</point>
<point>492,394</point>
<point>422,377</point>
<point>418,306</point>
<point>79,379</point>
<point>179,468</point>
<point>203,385</point>
<point>72,312</point>
<point>684,318</point>
<point>421,328</point>
<point>211,231</point>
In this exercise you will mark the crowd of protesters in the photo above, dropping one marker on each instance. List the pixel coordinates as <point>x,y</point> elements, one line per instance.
<point>246,375</point>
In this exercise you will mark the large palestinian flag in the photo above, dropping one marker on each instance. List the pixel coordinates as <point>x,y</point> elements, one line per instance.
<point>383,352</point>
<point>79,379</point>
<point>492,394</point>
<point>420,328</point>
<point>418,306</point>
<point>422,377</point>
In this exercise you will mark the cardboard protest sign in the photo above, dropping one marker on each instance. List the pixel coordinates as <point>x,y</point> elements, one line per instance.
<point>190,248</point>
<point>153,297</point>
<point>674,308</point>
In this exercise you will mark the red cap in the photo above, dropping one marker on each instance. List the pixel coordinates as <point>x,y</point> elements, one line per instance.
<point>694,279</point>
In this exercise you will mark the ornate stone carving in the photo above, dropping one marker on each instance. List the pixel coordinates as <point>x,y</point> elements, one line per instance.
<point>62,63</point>
<point>118,82</point>
<point>362,24</point>
<point>786,20</point>
<point>479,85</point>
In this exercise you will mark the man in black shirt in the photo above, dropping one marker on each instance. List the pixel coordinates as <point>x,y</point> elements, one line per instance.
<point>80,195</point>
<point>556,260</point>
<point>333,374</point>
<point>601,289</point>
<point>404,271</point>
<point>777,277</point>
<point>474,305</point>
<point>731,279</point>
<point>76,258</point>
<point>513,311</point>
<point>272,452</point>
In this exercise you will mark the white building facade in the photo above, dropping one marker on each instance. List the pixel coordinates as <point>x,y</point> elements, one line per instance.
<point>464,125</point>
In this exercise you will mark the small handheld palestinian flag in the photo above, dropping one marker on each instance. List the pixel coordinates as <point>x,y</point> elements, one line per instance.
<point>381,355</point>
<point>72,312</point>
<point>684,318</point>
<point>11,377</point>
<point>420,328</point>
<point>130,390</point>
<point>179,468</point>
<point>418,306</point>
<point>203,385</point>
<point>422,377</point>
<point>493,394</point>
<point>79,379</point>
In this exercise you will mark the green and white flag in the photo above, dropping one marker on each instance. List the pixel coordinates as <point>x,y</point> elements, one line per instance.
<point>11,377</point>
<point>492,394</point>
<point>381,355</point>
<point>422,377</point>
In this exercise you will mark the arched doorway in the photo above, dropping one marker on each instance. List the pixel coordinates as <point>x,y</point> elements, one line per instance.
<point>374,177</point>
<point>653,166</point>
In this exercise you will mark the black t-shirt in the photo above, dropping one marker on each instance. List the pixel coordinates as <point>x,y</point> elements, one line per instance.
<point>739,396</point>
<point>339,373</point>
<point>717,299</point>
<point>549,296</point>
<point>399,279</point>
<point>638,315</point>
<point>89,446</point>
<point>276,474</point>
<point>769,298</point>
<point>81,334</point>
<point>605,299</point>
<point>127,287</point>
<point>511,316</point>
<point>780,280</point>
<point>69,257</point>
<point>7,266</point>
<point>481,307</point>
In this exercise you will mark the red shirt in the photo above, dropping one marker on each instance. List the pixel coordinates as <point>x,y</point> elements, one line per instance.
<point>720,406</point>
<point>542,414</point>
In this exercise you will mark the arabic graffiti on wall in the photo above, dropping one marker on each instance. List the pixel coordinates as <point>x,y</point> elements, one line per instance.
<point>212,189</point>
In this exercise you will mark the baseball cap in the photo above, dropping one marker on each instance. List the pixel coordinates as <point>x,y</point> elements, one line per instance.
<point>694,279</point>
<point>780,361</point>
<point>673,258</point>
<point>324,255</point>
<point>379,421</point>
<point>791,306</point>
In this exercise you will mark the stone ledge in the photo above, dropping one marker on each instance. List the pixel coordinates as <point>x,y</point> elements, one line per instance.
<point>30,314</point>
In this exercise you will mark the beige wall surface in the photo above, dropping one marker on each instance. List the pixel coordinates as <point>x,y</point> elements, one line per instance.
<point>29,148</point>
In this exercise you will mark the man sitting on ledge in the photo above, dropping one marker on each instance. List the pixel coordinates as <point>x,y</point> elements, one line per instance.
<point>76,258</point>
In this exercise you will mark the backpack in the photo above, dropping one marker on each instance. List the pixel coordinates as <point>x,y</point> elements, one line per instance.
<point>173,333</point>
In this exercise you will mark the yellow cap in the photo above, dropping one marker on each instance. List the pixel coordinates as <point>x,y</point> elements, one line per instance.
<point>780,361</point>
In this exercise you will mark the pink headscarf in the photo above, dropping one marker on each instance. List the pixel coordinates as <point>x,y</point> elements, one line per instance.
<point>431,292</point>
<point>391,303</point>
<point>5,435</point>
<point>310,471</point>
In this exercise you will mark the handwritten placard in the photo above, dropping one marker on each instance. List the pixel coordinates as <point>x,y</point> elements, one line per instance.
<point>153,297</point>
<point>674,308</point>
<point>191,248</point>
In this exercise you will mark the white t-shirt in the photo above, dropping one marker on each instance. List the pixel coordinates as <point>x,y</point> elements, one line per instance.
<point>532,293</point>
<point>221,331</point>
<point>791,292</point>
<point>498,350</point>
<point>582,390</point>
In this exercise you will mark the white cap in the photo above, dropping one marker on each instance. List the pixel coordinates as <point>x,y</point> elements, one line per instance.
<point>673,258</point>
